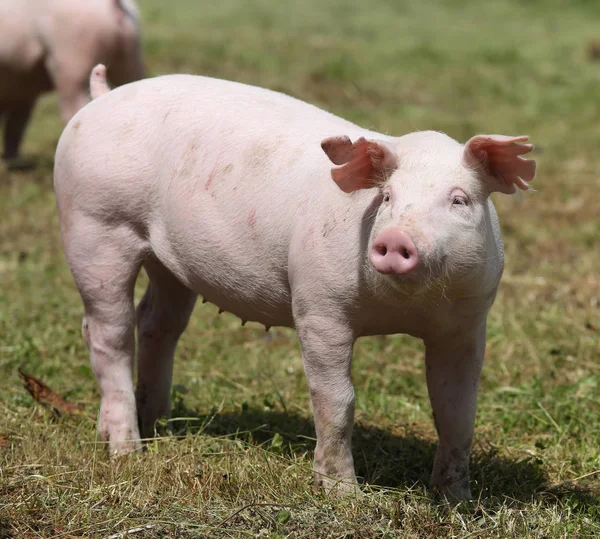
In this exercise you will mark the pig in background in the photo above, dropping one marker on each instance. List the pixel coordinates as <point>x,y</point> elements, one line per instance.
<point>47,45</point>
<point>227,191</point>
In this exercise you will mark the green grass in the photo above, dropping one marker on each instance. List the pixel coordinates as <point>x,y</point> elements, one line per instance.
<point>239,464</point>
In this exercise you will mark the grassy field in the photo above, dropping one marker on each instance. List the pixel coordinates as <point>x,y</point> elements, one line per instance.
<point>239,464</point>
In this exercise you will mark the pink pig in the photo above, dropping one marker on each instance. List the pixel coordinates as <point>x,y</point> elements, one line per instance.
<point>46,45</point>
<point>227,191</point>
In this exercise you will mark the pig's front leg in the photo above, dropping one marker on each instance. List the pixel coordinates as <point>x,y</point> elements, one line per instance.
<point>327,351</point>
<point>453,367</point>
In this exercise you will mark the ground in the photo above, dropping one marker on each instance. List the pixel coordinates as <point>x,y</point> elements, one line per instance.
<point>239,463</point>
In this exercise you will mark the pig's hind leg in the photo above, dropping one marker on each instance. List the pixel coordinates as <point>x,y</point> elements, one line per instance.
<point>162,316</point>
<point>105,260</point>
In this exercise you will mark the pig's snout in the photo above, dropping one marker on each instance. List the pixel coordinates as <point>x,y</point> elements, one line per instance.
<point>394,251</point>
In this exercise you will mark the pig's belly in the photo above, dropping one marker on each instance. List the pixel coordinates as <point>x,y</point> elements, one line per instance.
<point>240,274</point>
<point>250,300</point>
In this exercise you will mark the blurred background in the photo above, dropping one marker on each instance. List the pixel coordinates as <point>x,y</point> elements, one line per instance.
<point>244,435</point>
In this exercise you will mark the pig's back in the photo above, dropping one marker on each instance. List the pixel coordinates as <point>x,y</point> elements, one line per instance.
<point>168,134</point>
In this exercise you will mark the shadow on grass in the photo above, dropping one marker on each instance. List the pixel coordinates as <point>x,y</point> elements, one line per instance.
<point>395,461</point>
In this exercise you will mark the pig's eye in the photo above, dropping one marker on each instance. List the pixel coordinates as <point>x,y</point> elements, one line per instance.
<point>459,201</point>
<point>386,197</point>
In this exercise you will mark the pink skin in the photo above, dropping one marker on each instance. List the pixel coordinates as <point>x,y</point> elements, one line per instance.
<point>280,238</point>
<point>54,45</point>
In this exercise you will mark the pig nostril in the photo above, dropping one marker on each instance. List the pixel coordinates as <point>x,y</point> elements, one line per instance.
<point>381,250</point>
<point>405,253</point>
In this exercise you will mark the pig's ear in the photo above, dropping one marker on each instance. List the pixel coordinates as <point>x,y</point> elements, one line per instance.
<point>498,155</point>
<point>364,162</point>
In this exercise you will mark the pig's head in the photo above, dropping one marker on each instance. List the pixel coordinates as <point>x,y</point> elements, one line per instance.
<point>433,222</point>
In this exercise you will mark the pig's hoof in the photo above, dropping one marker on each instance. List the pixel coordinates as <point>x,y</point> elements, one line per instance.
<point>127,447</point>
<point>454,493</point>
<point>338,487</point>
<point>123,445</point>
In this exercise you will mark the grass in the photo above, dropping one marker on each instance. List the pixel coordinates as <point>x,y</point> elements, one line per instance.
<point>239,462</point>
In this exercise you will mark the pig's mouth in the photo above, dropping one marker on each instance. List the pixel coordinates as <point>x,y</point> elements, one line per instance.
<point>422,281</point>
